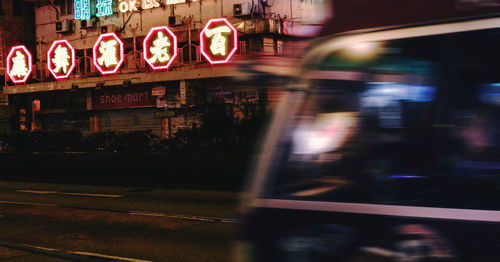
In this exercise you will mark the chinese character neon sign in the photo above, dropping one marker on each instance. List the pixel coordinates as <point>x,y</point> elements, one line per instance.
<point>19,64</point>
<point>218,41</point>
<point>104,7</point>
<point>82,9</point>
<point>108,53</point>
<point>160,47</point>
<point>61,59</point>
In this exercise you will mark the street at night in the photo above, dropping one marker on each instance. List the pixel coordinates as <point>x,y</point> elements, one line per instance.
<point>249,130</point>
<point>94,223</point>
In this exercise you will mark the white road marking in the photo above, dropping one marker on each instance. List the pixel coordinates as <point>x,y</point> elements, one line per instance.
<point>36,192</point>
<point>67,193</point>
<point>26,203</point>
<point>81,253</point>
<point>198,218</point>
<point>137,213</point>
<point>110,257</point>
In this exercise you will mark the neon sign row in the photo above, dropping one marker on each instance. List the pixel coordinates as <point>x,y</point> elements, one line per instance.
<point>105,7</point>
<point>218,43</point>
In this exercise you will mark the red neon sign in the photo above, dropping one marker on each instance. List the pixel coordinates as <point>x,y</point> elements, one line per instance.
<point>218,41</point>
<point>18,67</point>
<point>61,59</point>
<point>108,53</point>
<point>160,47</point>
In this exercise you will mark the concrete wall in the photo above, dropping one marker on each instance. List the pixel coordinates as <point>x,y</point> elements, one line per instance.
<point>17,29</point>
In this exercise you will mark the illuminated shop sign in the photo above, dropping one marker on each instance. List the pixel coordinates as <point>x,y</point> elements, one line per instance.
<point>104,7</point>
<point>61,59</point>
<point>218,41</point>
<point>19,64</point>
<point>132,97</point>
<point>160,47</point>
<point>134,5</point>
<point>82,9</point>
<point>108,53</point>
<point>174,2</point>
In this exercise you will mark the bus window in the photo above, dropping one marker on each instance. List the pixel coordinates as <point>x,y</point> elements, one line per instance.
<point>405,121</point>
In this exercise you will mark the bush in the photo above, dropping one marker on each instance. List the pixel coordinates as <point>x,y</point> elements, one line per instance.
<point>111,141</point>
<point>219,133</point>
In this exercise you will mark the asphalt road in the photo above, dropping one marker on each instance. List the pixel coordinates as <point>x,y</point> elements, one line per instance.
<point>51,222</point>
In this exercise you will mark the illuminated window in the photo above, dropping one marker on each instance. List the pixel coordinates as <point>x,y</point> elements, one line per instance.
<point>104,7</point>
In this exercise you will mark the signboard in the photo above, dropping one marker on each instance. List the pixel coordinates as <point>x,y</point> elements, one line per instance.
<point>135,5</point>
<point>35,105</point>
<point>82,9</point>
<point>182,92</point>
<point>158,91</point>
<point>174,2</point>
<point>160,47</point>
<point>61,59</point>
<point>104,7</point>
<point>161,102</point>
<point>4,100</point>
<point>163,114</point>
<point>115,98</point>
<point>108,53</point>
<point>19,64</point>
<point>218,41</point>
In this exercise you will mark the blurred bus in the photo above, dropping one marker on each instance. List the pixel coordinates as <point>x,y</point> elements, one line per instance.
<point>386,148</point>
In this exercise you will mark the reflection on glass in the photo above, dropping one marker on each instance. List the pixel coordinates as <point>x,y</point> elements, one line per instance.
<point>414,125</point>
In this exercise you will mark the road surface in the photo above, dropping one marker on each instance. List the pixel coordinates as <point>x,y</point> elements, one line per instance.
<point>51,222</point>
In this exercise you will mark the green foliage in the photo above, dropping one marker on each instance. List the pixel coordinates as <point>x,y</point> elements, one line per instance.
<point>220,132</point>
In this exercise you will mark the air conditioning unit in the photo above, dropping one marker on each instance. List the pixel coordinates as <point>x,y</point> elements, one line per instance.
<point>108,29</point>
<point>241,9</point>
<point>64,26</point>
<point>89,23</point>
<point>174,20</point>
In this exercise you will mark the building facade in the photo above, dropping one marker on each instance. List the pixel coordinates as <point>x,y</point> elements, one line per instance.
<point>17,25</point>
<point>137,89</point>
